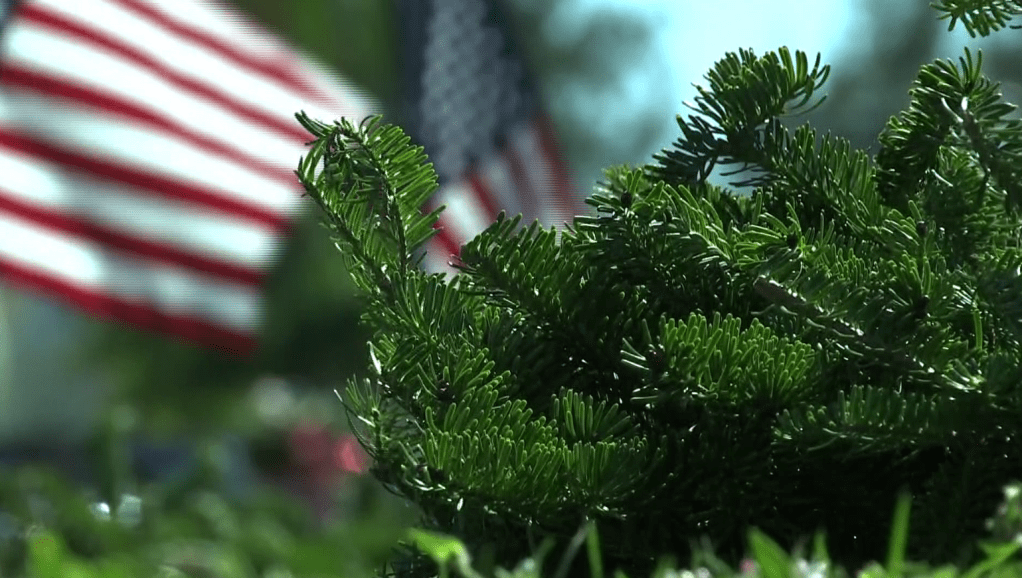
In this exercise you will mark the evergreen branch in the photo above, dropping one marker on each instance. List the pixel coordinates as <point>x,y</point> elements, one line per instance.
<point>865,343</point>
<point>983,16</point>
<point>1000,285</point>
<point>745,93</point>
<point>380,171</point>
<point>999,160</point>
<point>313,185</point>
<point>887,419</point>
<point>944,97</point>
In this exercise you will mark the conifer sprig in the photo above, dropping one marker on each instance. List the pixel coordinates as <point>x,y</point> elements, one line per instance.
<point>372,180</point>
<point>982,16</point>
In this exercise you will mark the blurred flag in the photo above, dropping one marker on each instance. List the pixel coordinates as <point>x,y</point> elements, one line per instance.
<point>470,104</point>
<point>146,158</point>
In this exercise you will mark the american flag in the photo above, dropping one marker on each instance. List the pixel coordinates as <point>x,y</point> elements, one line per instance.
<point>147,150</point>
<point>471,104</point>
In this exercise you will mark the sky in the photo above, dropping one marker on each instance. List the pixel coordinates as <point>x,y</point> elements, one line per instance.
<point>806,25</point>
<point>689,38</point>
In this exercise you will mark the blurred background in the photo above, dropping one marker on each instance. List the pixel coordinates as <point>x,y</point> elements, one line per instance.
<point>611,75</point>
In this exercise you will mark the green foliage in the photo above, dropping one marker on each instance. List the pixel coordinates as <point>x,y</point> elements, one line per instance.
<point>767,559</point>
<point>983,16</point>
<point>694,362</point>
<point>57,533</point>
<point>51,528</point>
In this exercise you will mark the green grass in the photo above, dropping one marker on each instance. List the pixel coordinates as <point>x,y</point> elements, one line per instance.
<point>202,534</point>
<point>766,559</point>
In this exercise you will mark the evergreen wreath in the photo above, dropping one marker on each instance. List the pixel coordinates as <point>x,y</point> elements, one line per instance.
<point>692,362</point>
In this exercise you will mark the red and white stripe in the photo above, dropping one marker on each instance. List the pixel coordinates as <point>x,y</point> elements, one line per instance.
<point>146,158</point>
